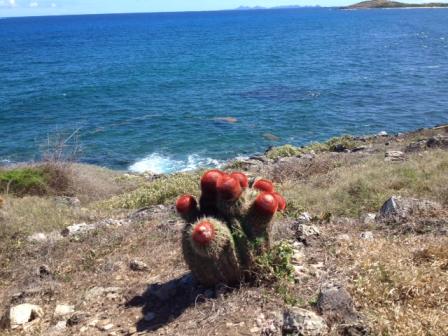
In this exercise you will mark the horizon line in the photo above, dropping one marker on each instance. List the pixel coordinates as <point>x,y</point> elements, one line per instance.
<point>249,9</point>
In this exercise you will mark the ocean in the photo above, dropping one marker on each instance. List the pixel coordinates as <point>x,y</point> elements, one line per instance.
<point>173,91</point>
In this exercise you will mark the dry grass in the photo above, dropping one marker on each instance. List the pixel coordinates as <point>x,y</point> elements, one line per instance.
<point>400,283</point>
<point>363,187</point>
<point>163,190</point>
<point>92,183</point>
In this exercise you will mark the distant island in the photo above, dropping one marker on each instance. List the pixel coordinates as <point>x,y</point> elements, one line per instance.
<point>370,4</point>
<point>275,7</point>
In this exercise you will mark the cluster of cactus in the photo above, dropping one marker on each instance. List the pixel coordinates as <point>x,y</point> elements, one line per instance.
<point>229,227</point>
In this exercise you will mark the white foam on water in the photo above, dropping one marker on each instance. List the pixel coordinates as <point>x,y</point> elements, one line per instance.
<point>161,164</point>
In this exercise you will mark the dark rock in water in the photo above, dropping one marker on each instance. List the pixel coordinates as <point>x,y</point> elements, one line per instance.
<point>336,304</point>
<point>270,136</point>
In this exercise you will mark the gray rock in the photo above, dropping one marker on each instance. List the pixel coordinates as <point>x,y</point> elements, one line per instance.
<point>95,292</point>
<point>138,266</point>
<point>37,238</point>
<point>58,329</point>
<point>402,207</point>
<point>304,217</point>
<point>394,156</point>
<point>307,234</point>
<point>77,229</point>
<point>369,218</point>
<point>63,310</point>
<point>297,321</point>
<point>343,237</point>
<point>68,201</point>
<point>24,313</point>
<point>77,318</point>
<point>336,304</point>
<point>367,235</point>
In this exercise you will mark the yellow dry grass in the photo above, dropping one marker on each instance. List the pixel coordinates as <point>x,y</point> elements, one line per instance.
<point>363,187</point>
<point>401,284</point>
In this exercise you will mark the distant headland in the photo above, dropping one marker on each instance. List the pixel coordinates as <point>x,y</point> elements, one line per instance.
<point>371,4</point>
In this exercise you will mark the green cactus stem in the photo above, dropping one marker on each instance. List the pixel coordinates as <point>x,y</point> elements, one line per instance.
<point>212,250</point>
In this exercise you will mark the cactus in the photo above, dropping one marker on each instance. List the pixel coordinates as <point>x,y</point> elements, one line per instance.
<point>230,228</point>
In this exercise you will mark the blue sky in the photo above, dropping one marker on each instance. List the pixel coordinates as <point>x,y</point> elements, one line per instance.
<point>58,7</point>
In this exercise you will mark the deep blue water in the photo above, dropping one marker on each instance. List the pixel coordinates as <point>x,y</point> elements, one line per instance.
<point>148,88</point>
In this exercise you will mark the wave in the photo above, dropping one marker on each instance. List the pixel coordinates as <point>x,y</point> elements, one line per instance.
<point>161,164</point>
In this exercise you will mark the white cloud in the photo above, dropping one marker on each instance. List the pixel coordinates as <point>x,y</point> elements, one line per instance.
<point>8,3</point>
<point>34,4</point>
<point>53,5</point>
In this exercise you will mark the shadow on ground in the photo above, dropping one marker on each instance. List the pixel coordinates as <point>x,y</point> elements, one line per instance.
<point>163,303</point>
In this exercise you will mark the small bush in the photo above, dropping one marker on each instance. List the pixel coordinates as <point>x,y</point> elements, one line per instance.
<point>346,141</point>
<point>283,151</point>
<point>37,180</point>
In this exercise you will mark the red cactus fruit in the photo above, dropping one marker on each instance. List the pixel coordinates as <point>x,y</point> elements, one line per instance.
<point>280,200</point>
<point>242,178</point>
<point>266,204</point>
<point>203,233</point>
<point>186,204</point>
<point>208,180</point>
<point>228,187</point>
<point>264,185</point>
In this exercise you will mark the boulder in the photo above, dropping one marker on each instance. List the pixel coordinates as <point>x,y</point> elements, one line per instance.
<point>394,156</point>
<point>24,313</point>
<point>63,310</point>
<point>397,206</point>
<point>297,321</point>
<point>307,234</point>
<point>77,229</point>
<point>336,304</point>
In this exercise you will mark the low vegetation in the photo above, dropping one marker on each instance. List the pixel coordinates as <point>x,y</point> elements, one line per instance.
<point>47,179</point>
<point>363,187</point>
<point>160,191</point>
<point>345,142</point>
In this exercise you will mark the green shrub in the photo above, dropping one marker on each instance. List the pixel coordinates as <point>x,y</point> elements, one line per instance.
<point>283,151</point>
<point>34,180</point>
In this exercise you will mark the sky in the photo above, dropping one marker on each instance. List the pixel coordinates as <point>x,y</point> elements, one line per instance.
<point>61,7</point>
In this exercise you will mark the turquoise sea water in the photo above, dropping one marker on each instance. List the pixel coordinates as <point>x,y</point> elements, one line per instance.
<point>147,91</point>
